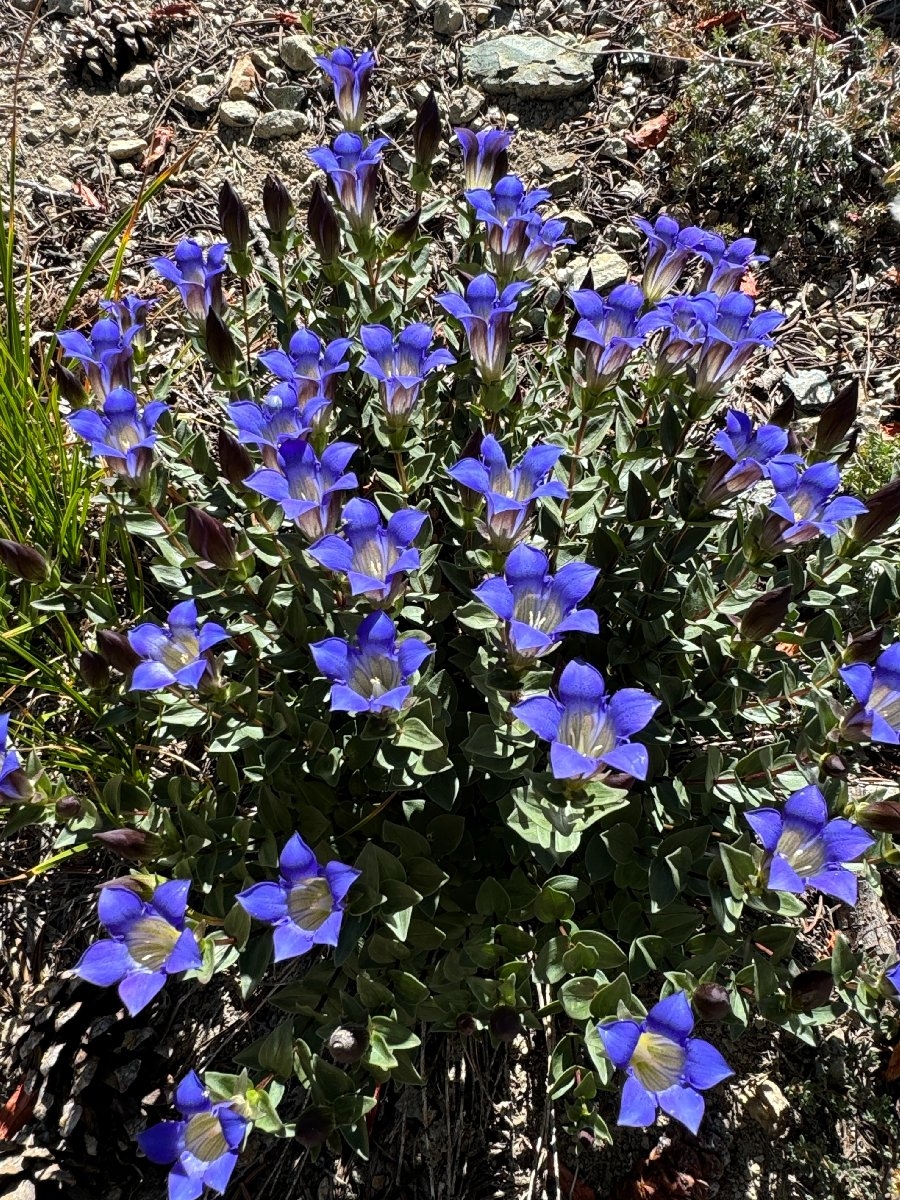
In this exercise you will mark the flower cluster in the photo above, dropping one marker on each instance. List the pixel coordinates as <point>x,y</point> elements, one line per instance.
<point>517,238</point>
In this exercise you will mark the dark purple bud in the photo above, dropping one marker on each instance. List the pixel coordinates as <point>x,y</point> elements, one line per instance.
<point>117,651</point>
<point>404,232</point>
<point>234,459</point>
<point>134,845</point>
<point>94,670</point>
<point>70,386</point>
<point>233,219</point>
<point>711,1001</point>
<point>26,562</point>
<point>766,614</point>
<point>466,1025</point>
<point>348,1043</point>
<point>212,541</point>
<point>833,766</point>
<point>884,509</point>
<point>427,133</point>
<point>882,816</point>
<point>837,418</point>
<point>278,206</point>
<point>323,225</point>
<point>313,1127</point>
<point>864,647</point>
<point>811,989</point>
<point>68,808</point>
<point>221,348</point>
<point>505,1023</point>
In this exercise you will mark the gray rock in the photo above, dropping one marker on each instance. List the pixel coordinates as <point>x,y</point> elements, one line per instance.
<point>607,268</point>
<point>465,105</point>
<point>280,123</point>
<point>393,118</point>
<point>287,95</point>
<point>531,66</point>
<point>448,17</point>
<point>200,98</point>
<point>579,224</point>
<point>238,114</point>
<point>765,1103</point>
<point>562,173</point>
<point>298,52</point>
<point>121,149</point>
<point>70,126</point>
<point>132,81</point>
<point>809,388</point>
<point>614,147</point>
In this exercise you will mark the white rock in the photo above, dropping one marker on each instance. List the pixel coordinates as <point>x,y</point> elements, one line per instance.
<point>465,105</point>
<point>298,52</point>
<point>70,126</point>
<point>199,99</point>
<point>121,149</point>
<point>280,123</point>
<point>132,81</point>
<point>238,114</point>
<point>448,17</point>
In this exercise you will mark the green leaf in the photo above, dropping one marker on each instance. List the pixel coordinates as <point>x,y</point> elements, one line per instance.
<point>413,734</point>
<point>577,996</point>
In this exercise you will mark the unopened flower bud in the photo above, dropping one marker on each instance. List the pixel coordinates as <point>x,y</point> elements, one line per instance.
<point>221,348</point>
<point>766,614</point>
<point>864,647</point>
<point>278,206</point>
<point>404,232</point>
<point>234,459</point>
<point>348,1043</point>
<point>313,1127</point>
<point>26,562</point>
<point>210,539</point>
<point>117,650</point>
<point>323,225</point>
<point>427,133</point>
<point>784,414</point>
<point>70,386</point>
<point>17,787</point>
<point>68,808</point>
<point>811,989</point>
<point>711,1001</point>
<point>881,816</point>
<point>837,418</point>
<point>466,1025</point>
<point>94,670</point>
<point>233,219</point>
<point>135,845</point>
<point>833,766</point>
<point>883,510</point>
<point>505,1023</point>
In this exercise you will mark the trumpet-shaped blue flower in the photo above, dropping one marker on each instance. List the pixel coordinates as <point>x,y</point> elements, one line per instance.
<point>175,653</point>
<point>306,906</point>
<point>350,73</point>
<point>312,368</point>
<point>148,942</point>
<point>203,1146</point>
<point>400,366</point>
<point>876,690</point>
<point>509,492</point>
<point>611,329</point>
<point>727,265</point>
<point>484,156</point>
<point>196,274</point>
<point>590,731</point>
<point>106,354</point>
<point>352,171</point>
<point>15,786</point>
<point>805,849</point>
<point>807,506</point>
<point>668,249</point>
<point>370,675</point>
<point>731,339</point>
<point>130,313</point>
<point>749,454</point>
<point>685,321</point>
<point>278,418</point>
<point>516,236</point>
<point>485,313</point>
<point>666,1068</point>
<point>375,557</point>
<point>122,435</point>
<point>538,607</point>
<point>308,488</point>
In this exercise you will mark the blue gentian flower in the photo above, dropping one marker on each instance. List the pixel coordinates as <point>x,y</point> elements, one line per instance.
<point>510,492</point>
<point>611,329</point>
<point>806,509</point>
<point>669,248</point>
<point>485,314</point>
<point>805,849</point>
<point>371,675</point>
<point>730,341</point>
<point>148,942</point>
<point>484,156</point>
<point>350,74</point>
<point>513,230</point>
<point>203,1146</point>
<point>15,786</point>
<point>308,488</point>
<point>539,607</point>
<point>175,653</point>
<point>352,171</point>
<point>749,454</point>
<point>685,320</point>
<point>105,354</point>
<point>727,265</point>
<point>130,313</point>
<point>543,237</point>
<point>278,418</point>
<point>311,367</point>
<point>666,1067</point>
<point>400,366</point>
<point>589,731</point>
<point>375,557</point>
<point>197,275</point>
<point>121,434</point>
<point>306,905</point>
<point>876,690</point>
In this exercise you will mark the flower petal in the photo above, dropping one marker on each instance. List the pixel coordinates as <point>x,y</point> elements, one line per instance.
<point>331,657</point>
<point>138,989</point>
<point>684,1104</point>
<point>834,881</point>
<point>290,941</point>
<point>631,757</point>
<point>767,824</point>
<point>783,877</point>
<point>150,677</point>
<point>104,963</point>
<point>704,1066</point>
<point>297,860</point>
<point>185,956</point>
<point>638,1107</point>
<point>162,1143</point>
<point>264,901</point>
<point>672,1017</point>
<point>619,1040</point>
<point>118,907</point>
<point>806,811</point>
<point>630,710</point>
<point>191,1096</point>
<point>541,714</point>
<point>581,685</point>
<point>170,900</point>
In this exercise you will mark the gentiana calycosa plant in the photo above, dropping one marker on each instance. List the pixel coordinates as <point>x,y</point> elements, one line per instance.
<point>525,671</point>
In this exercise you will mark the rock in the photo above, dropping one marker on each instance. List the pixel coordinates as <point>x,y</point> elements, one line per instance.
<point>288,95</point>
<point>448,17</point>
<point>59,183</point>
<point>200,98</point>
<point>280,123</point>
<point>562,173</point>
<point>614,147</point>
<point>121,149</point>
<point>132,81</point>
<point>482,14</point>
<point>531,66</point>
<point>20,1191</point>
<point>809,388</point>
<point>394,118</point>
<point>298,52</point>
<point>35,109</point>
<point>765,1102</point>
<point>465,104</point>
<point>619,116</point>
<point>608,269</point>
<point>579,224</point>
<point>243,79</point>
<point>238,114</point>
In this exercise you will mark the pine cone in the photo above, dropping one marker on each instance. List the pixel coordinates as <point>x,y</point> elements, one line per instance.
<point>108,40</point>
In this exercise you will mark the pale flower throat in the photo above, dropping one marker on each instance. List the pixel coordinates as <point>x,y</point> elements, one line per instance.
<point>657,1061</point>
